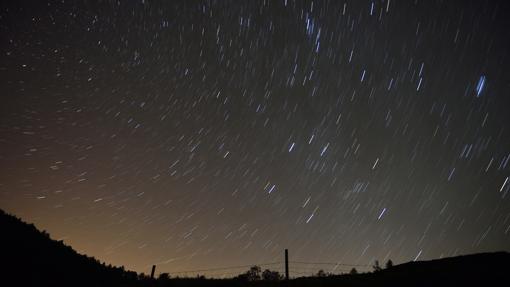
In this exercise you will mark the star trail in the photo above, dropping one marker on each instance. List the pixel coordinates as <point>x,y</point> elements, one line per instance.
<point>201,134</point>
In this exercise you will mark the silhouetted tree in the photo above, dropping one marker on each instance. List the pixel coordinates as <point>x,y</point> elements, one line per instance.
<point>376,266</point>
<point>321,273</point>
<point>269,275</point>
<point>253,274</point>
<point>389,264</point>
<point>353,271</point>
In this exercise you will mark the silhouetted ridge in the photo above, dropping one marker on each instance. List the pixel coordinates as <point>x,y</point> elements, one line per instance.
<point>30,257</point>
<point>483,269</point>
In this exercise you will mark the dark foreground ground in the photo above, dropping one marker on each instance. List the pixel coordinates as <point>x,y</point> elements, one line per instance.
<point>29,257</point>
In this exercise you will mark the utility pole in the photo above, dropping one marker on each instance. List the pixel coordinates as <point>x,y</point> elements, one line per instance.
<point>286,264</point>
<point>152,272</point>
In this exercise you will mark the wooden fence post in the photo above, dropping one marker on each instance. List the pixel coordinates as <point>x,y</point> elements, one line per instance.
<point>286,264</point>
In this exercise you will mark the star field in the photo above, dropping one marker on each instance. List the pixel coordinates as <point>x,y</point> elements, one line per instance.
<point>198,134</point>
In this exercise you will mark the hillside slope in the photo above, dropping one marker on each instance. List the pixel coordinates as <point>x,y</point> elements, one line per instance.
<point>483,269</point>
<point>30,257</point>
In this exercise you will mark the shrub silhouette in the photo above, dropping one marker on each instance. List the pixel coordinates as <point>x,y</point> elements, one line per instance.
<point>389,264</point>
<point>376,266</point>
<point>253,274</point>
<point>163,277</point>
<point>269,275</point>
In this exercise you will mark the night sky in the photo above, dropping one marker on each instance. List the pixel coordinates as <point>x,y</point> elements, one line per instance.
<point>201,134</point>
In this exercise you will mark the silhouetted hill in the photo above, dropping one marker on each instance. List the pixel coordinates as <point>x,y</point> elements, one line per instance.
<point>484,269</point>
<point>30,257</point>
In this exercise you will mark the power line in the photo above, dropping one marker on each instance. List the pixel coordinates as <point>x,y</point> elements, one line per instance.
<point>225,268</point>
<point>308,268</point>
<point>315,270</point>
<point>329,263</point>
<point>268,264</point>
